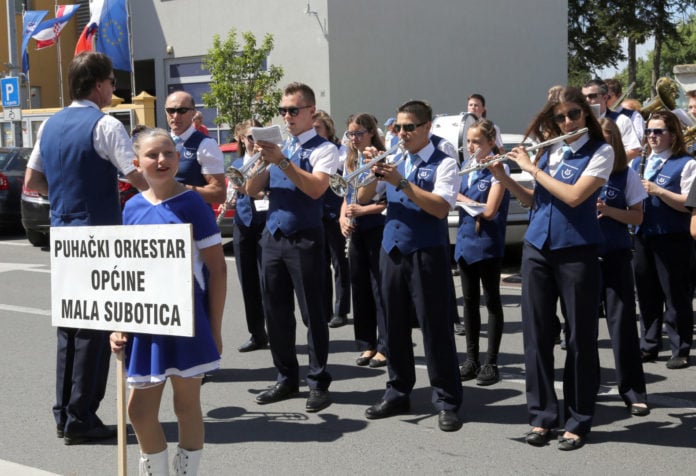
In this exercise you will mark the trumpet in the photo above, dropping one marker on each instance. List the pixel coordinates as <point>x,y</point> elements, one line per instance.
<point>339,184</point>
<point>238,177</point>
<point>541,145</point>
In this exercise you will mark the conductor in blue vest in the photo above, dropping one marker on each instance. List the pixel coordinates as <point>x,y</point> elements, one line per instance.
<point>415,266</point>
<point>75,161</point>
<point>293,247</point>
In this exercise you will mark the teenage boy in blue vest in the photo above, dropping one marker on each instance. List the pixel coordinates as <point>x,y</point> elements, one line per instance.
<point>75,161</point>
<point>415,267</point>
<point>293,247</point>
<point>201,166</point>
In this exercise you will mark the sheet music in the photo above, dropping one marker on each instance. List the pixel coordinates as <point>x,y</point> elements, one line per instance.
<point>472,208</point>
<point>268,134</point>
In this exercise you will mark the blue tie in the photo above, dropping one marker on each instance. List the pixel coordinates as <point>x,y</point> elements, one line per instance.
<point>474,176</point>
<point>293,146</point>
<point>567,152</point>
<point>410,164</point>
<point>179,143</point>
<point>653,167</point>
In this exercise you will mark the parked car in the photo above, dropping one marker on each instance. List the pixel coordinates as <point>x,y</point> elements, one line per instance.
<point>13,164</point>
<point>36,210</point>
<point>230,154</point>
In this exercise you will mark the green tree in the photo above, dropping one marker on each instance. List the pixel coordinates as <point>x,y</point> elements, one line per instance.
<point>242,85</point>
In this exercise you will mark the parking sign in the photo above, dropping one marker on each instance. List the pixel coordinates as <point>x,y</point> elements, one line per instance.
<point>10,92</point>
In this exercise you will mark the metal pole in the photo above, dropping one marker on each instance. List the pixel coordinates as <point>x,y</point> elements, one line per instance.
<point>60,62</point>
<point>12,66</point>
<point>130,49</point>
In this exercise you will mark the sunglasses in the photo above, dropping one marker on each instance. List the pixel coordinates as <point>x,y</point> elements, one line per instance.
<point>356,134</point>
<point>573,115</point>
<point>293,111</point>
<point>178,110</point>
<point>657,131</point>
<point>406,127</point>
<point>591,96</point>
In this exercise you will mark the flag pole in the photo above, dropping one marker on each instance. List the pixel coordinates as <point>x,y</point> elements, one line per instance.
<point>60,62</point>
<point>130,50</point>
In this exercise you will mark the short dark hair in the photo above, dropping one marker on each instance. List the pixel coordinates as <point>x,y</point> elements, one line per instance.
<point>85,71</point>
<point>306,92</point>
<point>603,90</point>
<point>613,86</point>
<point>420,109</point>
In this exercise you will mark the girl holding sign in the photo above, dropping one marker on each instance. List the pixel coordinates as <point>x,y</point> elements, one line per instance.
<point>152,359</point>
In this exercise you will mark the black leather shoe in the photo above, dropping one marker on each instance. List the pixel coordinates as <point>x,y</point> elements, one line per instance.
<point>677,363</point>
<point>459,329</point>
<point>253,344</point>
<point>278,392</point>
<point>375,363</point>
<point>338,321</point>
<point>387,408</point>
<point>59,431</point>
<point>570,444</point>
<point>647,356</point>
<point>537,438</point>
<point>638,410</point>
<point>448,420</point>
<point>318,400</point>
<point>363,360</point>
<point>95,434</point>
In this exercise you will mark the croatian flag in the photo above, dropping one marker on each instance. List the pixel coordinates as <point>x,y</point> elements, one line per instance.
<point>47,33</point>
<point>107,32</point>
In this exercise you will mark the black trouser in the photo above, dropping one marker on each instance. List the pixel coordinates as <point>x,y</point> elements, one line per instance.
<point>486,272</point>
<point>573,275</point>
<point>662,266</point>
<point>82,370</point>
<point>247,256</point>
<point>418,281</point>
<point>290,264</point>
<point>336,254</point>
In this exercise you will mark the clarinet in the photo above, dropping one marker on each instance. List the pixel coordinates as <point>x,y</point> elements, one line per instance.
<point>225,206</point>
<point>643,160</point>
<point>351,220</point>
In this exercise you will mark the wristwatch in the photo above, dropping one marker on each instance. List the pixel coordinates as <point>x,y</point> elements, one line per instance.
<point>403,183</point>
<point>283,164</point>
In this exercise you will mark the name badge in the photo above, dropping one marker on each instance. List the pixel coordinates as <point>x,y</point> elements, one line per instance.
<point>261,205</point>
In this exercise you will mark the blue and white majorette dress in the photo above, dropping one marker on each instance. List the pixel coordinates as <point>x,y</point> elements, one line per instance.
<point>150,358</point>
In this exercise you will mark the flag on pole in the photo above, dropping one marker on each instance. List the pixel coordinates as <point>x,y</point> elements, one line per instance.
<point>107,32</point>
<point>47,33</point>
<point>31,20</point>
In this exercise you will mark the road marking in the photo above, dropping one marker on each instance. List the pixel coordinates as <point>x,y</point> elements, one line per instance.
<point>26,310</point>
<point>15,243</point>
<point>37,268</point>
<point>8,467</point>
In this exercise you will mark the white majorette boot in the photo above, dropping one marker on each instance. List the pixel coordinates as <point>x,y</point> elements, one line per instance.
<point>186,462</point>
<point>154,465</point>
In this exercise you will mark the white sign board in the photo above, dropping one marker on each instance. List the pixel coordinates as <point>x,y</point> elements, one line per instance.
<point>12,114</point>
<point>136,278</point>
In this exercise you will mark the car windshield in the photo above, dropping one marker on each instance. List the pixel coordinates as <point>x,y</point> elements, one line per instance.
<point>13,160</point>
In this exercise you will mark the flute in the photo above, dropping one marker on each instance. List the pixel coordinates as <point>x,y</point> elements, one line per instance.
<point>541,145</point>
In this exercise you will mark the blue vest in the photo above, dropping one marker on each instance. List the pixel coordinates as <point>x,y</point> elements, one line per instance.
<point>613,115</point>
<point>83,187</point>
<point>365,222</point>
<point>189,169</point>
<point>407,226</point>
<point>627,112</point>
<point>489,241</point>
<point>246,213</point>
<point>556,224</point>
<point>616,235</point>
<point>291,210</point>
<point>658,217</point>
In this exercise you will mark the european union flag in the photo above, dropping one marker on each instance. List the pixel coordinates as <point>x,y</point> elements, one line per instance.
<point>112,37</point>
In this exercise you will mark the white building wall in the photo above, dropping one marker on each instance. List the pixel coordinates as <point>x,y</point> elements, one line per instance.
<point>379,53</point>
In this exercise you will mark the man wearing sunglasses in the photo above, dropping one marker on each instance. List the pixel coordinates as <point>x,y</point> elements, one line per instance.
<point>415,267</point>
<point>76,157</point>
<point>293,257</point>
<point>201,165</point>
<point>597,93</point>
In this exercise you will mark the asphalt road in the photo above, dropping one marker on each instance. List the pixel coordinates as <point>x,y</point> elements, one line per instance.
<point>245,438</point>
